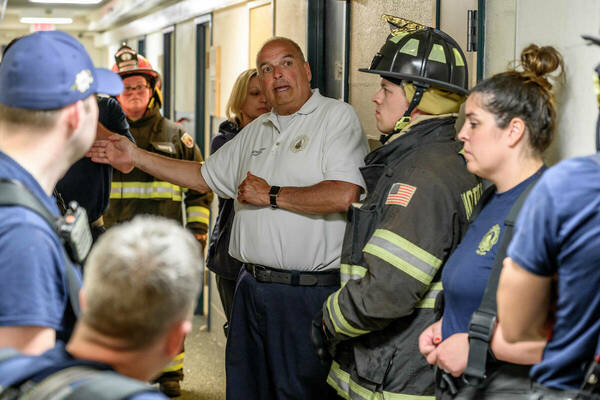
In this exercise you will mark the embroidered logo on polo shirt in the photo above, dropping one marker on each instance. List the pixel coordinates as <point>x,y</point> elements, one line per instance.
<point>489,240</point>
<point>258,152</point>
<point>299,143</point>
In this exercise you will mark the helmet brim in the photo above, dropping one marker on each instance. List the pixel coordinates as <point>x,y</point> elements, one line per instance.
<point>140,71</point>
<point>413,78</point>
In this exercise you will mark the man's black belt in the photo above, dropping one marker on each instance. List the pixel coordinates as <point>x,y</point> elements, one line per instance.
<point>294,278</point>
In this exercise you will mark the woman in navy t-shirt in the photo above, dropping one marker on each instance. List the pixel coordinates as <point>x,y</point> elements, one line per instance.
<point>510,120</point>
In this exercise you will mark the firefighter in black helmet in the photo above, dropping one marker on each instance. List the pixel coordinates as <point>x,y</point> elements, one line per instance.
<point>419,199</point>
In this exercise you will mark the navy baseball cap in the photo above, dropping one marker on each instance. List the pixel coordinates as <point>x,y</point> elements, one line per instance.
<point>50,69</point>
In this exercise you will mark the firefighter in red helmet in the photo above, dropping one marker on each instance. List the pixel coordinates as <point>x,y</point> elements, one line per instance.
<point>141,193</point>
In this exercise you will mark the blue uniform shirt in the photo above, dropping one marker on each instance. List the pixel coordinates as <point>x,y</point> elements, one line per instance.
<point>558,232</point>
<point>466,272</point>
<point>33,287</point>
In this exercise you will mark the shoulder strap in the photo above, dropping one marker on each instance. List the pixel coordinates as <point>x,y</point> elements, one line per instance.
<point>7,353</point>
<point>109,385</point>
<point>485,197</point>
<point>483,320</point>
<point>85,382</point>
<point>13,193</point>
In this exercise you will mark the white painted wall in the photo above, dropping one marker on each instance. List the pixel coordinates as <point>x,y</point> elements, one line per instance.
<point>511,25</point>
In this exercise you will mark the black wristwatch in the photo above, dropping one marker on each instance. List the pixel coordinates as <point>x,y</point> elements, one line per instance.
<point>273,193</point>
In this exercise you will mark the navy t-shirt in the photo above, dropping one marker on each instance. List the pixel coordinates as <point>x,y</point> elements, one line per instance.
<point>54,360</point>
<point>558,232</point>
<point>33,290</point>
<point>466,272</point>
<point>88,182</point>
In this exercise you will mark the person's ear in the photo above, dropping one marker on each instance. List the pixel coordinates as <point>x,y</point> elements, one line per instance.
<point>307,69</point>
<point>175,337</point>
<point>516,131</point>
<point>73,114</point>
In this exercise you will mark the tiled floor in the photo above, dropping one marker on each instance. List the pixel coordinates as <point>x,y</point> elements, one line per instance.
<point>204,367</point>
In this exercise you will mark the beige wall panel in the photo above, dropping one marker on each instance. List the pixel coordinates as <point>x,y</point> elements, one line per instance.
<point>290,20</point>
<point>261,29</point>
<point>558,23</point>
<point>500,27</point>
<point>154,50</point>
<point>453,17</point>
<point>110,53</point>
<point>185,66</point>
<point>368,33</point>
<point>230,32</point>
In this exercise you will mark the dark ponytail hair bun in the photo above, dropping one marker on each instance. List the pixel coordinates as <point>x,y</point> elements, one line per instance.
<point>525,93</point>
<point>539,62</point>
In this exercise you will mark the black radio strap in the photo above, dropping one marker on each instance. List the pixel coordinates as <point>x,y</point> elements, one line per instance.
<point>13,193</point>
<point>483,319</point>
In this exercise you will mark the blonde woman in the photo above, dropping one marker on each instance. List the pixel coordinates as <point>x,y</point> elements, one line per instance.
<point>246,102</point>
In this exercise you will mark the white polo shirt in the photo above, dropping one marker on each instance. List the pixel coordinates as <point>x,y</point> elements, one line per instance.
<point>323,141</point>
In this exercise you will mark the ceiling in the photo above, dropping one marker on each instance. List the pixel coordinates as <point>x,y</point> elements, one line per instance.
<point>100,17</point>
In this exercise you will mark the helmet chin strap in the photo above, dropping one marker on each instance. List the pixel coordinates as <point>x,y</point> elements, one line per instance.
<point>406,118</point>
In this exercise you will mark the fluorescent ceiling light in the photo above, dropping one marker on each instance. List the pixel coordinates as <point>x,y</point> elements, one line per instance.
<point>45,20</point>
<point>66,1</point>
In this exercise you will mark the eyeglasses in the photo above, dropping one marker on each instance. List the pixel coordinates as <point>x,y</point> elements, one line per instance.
<point>137,88</point>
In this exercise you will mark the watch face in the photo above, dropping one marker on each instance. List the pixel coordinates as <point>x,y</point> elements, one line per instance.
<point>273,192</point>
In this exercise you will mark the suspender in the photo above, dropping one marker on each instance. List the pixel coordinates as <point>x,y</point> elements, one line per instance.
<point>592,377</point>
<point>483,319</point>
<point>14,194</point>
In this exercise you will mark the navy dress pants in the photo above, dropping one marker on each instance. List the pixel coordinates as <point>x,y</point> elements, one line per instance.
<point>269,353</point>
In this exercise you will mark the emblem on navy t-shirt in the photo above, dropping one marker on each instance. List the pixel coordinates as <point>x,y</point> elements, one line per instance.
<point>489,240</point>
<point>299,143</point>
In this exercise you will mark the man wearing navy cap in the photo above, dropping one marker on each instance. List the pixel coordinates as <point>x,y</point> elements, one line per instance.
<point>48,119</point>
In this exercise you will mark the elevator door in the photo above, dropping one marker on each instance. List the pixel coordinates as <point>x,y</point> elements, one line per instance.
<point>456,18</point>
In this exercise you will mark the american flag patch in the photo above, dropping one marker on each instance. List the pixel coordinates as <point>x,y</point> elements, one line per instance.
<point>400,194</point>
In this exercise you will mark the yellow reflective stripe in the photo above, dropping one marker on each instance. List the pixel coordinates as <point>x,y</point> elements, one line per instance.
<point>411,47</point>
<point>340,380</point>
<point>458,58</point>
<point>403,255</point>
<point>410,247</point>
<point>340,324</point>
<point>428,301</point>
<point>145,190</point>
<point>350,390</point>
<point>176,363</point>
<point>425,303</point>
<point>197,214</point>
<point>348,272</point>
<point>400,396</point>
<point>437,54</point>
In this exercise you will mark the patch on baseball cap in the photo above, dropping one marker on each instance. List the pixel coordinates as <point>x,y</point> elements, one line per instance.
<point>48,70</point>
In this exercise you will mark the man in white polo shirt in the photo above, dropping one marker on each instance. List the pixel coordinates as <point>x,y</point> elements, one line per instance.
<point>294,173</point>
